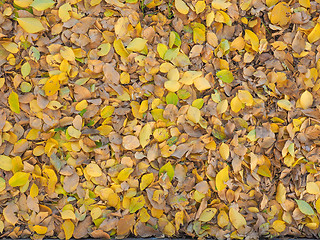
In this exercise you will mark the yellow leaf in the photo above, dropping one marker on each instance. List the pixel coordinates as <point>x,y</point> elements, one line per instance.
<point>285,104</point>
<point>211,145</point>
<point>52,179</point>
<point>223,219</point>
<point>2,185</point>
<point>314,35</point>
<point>207,214</point>
<point>209,19</point>
<point>221,178</point>
<point>220,4</point>
<point>34,190</point>
<point>280,14</point>
<point>169,229</point>
<point>144,215</point>
<point>95,2</point>
<point>236,218</point>
<point>136,203</point>
<point>161,134</point>
<point>312,188</point>
<point>263,170</point>
<point>245,97</point>
<point>236,104</point>
<point>63,12</point>
<point>270,3</point>
<point>222,17</point>
<point>238,44</point>
<point>104,49</point>
<point>5,163</point>
<point>144,135</point>
<point>188,77</point>
<point>224,151</point>
<point>40,229</point>
<point>105,130</point>
<point>279,225</point>
<point>137,44</point>
<point>81,105</point>
<point>318,205</point>
<point>107,111</point>
<point>172,86</point>
<point>68,228</point>
<point>68,214</point>
<point>67,53</point>
<point>254,40</point>
<point>30,25</point>
<point>96,213</point>
<point>200,7</point>
<point>13,101</point>
<point>73,132</point>
<point>201,84</point>
<point>93,170</point>
<point>181,6</point>
<point>222,106</point>
<point>306,100</point>
<point>162,49</point>
<point>25,69</point>
<point>281,193</point>
<point>194,114</point>
<point>305,3</point>
<point>199,35</point>
<point>146,180</point>
<point>19,179</point>
<point>124,174</point>
<point>41,5</point>
<point>23,3</point>
<point>52,86</point>
<point>11,47</point>
<point>125,78</point>
<point>144,106</point>
<point>2,81</point>
<point>120,49</point>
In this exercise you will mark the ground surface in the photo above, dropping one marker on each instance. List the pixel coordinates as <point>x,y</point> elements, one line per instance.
<point>159,118</point>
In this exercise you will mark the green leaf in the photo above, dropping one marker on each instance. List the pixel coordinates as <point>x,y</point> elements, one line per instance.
<point>168,168</point>
<point>172,98</point>
<point>13,101</point>
<point>225,76</point>
<point>304,207</point>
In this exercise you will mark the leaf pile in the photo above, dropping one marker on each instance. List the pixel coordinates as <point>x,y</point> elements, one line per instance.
<point>159,118</point>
